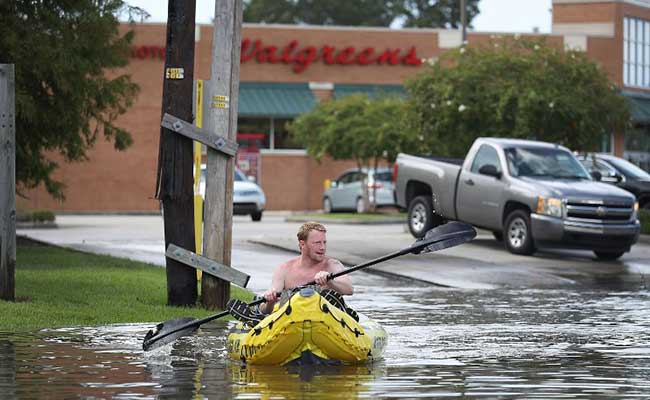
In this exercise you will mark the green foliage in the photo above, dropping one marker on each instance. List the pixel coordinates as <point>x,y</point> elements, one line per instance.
<point>514,88</point>
<point>56,287</point>
<point>35,216</point>
<point>67,56</point>
<point>644,217</point>
<point>437,14</point>
<point>355,128</point>
<point>414,13</point>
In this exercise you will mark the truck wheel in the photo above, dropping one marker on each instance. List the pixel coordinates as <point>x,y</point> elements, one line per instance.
<point>608,255</point>
<point>421,216</point>
<point>518,236</point>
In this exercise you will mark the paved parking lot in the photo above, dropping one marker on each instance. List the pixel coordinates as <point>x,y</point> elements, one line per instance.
<point>259,246</point>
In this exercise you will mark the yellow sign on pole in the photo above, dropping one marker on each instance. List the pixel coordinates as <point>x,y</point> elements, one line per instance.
<point>198,199</point>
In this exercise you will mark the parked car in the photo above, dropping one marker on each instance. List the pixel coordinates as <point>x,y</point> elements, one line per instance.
<point>530,194</point>
<point>346,191</point>
<point>248,198</point>
<point>620,172</point>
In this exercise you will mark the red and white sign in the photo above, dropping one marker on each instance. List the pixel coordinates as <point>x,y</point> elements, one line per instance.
<point>301,57</point>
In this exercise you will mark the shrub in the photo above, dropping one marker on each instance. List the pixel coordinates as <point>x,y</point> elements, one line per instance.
<point>35,216</point>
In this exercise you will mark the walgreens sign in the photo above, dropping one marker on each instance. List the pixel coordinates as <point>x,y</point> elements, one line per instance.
<point>300,57</point>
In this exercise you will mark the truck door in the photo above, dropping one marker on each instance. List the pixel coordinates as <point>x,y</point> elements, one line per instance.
<point>479,195</point>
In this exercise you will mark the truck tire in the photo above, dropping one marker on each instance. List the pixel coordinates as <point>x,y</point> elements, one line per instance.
<point>421,216</point>
<point>608,255</point>
<point>256,216</point>
<point>518,237</point>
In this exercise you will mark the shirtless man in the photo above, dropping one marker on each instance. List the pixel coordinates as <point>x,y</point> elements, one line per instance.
<point>311,264</point>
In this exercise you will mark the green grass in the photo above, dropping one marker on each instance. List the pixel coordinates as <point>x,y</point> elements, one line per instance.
<point>56,287</point>
<point>644,217</point>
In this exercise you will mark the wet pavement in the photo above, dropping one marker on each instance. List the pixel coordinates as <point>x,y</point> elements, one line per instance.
<point>480,264</point>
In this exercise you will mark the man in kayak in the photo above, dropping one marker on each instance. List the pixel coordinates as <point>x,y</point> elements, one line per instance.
<point>311,264</point>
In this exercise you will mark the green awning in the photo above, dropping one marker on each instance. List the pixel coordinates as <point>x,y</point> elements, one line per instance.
<point>281,100</point>
<point>373,91</point>
<point>639,107</point>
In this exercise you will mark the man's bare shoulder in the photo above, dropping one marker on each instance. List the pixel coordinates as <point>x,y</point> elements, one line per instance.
<point>334,265</point>
<point>289,263</point>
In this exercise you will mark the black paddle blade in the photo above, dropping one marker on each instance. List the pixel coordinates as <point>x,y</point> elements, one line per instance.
<point>444,236</point>
<point>165,333</point>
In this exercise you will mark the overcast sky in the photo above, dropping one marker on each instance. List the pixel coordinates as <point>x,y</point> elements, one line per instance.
<point>495,16</point>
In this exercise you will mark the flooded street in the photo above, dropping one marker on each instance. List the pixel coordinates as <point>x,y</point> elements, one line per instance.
<point>587,341</point>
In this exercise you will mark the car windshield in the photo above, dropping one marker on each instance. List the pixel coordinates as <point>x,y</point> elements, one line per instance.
<point>544,163</point>
<point>629,169</point>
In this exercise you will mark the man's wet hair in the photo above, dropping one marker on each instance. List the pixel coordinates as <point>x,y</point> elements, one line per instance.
<point>307,227</point>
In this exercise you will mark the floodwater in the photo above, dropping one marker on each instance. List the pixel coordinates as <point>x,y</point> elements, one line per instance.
<point>585,341</point>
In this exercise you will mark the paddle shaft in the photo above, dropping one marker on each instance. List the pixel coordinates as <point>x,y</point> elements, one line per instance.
<point>366,264</point>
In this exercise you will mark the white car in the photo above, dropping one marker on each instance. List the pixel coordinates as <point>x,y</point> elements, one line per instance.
<point>248,197</point>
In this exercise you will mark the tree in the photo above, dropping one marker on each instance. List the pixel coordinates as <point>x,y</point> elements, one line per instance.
<point>413,13</point>
<point>65,97</point>
<point>513,88</point>
<point>356,128</point>
<point>437,14</point>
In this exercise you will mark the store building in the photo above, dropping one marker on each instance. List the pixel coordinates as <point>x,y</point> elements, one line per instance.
<point>286,70</point>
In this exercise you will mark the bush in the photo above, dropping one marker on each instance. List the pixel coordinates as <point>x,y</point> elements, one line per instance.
<point>35,216</point>
<point>644,217</point>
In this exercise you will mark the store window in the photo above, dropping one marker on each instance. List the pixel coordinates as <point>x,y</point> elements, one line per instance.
<point>636,52</point>
<point>283,139</point>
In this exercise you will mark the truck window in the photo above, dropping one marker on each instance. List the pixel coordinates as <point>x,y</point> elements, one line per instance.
<point>544,162</point>
<point>484,156</point>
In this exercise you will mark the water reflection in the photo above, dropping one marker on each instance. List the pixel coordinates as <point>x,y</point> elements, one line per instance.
<point>333,382</point>
<point>582,342</point>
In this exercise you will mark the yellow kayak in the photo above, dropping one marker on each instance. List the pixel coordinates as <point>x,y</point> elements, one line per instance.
<point>307,329</point>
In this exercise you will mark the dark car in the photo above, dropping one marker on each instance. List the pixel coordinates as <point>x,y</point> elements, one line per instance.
<point>621,173</point>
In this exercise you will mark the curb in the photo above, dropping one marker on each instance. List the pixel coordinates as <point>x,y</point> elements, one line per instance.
<point>346,221</point>
<point>645,239</point>
<point>36,225</point>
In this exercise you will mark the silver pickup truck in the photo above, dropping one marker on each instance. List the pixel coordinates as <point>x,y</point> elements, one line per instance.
<point>532,194</point>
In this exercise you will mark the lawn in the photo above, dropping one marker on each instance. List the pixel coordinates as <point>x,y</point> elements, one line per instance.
<point>56,287</point>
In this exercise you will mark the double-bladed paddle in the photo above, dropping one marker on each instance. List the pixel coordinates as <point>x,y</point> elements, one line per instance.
<point>439,238</point>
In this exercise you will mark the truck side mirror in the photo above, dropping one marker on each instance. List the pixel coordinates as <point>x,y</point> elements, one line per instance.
<point>490,170</point>
<point>619,177</point>
<point>596,175</point>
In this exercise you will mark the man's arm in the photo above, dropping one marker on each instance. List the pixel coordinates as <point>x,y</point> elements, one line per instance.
<point>277,285</point>
<point>342,284</point>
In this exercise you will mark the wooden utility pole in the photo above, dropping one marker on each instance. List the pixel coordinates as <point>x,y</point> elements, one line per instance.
<point>7,183</point>
<point>174,183</point>
<point>222,120</point>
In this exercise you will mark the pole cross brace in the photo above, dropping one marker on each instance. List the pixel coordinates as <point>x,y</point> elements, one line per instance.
<point>207,265</point>
<point>216,142</point>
